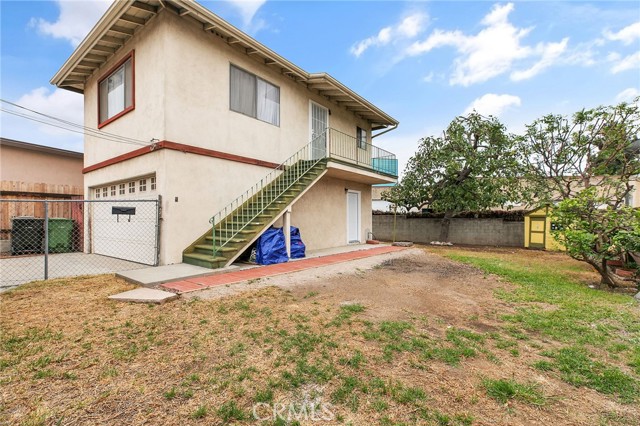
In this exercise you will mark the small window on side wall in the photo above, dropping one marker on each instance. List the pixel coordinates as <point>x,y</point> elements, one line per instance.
<point>361,137</point>
<point>116,92</point>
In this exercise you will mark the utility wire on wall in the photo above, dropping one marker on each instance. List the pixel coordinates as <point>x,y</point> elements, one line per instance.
<point>70,126</point>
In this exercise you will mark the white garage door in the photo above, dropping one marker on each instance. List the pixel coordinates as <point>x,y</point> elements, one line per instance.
<point>122,226</point>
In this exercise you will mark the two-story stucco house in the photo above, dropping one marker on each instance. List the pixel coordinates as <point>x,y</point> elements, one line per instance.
<point>242,138</point>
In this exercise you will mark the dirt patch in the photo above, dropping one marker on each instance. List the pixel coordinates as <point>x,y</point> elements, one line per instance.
<point>419,284</point>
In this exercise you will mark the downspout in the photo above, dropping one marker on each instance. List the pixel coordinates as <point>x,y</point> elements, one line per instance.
<point>395,126</point>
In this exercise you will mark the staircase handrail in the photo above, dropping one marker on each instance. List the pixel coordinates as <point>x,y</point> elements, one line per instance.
<point>266,191</point>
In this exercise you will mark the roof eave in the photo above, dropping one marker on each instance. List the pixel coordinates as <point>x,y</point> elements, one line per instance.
<point>335,91</point>
<point>111,15</point>
<point>379,118</point>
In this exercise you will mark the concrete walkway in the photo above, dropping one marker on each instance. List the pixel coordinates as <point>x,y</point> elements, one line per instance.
<point>206,282</point>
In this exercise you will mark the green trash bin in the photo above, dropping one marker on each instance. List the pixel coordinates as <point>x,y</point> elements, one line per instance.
<point>60,235</point>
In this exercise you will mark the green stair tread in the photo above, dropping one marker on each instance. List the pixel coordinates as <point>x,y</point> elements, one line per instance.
<point>210,248</point>
<point>205,257</point>
<point>227,240</point>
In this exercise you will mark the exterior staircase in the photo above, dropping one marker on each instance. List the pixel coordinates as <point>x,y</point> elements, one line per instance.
<point>240,223</point>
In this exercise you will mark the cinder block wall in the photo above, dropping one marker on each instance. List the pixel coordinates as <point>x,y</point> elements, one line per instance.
<point>489,232</point>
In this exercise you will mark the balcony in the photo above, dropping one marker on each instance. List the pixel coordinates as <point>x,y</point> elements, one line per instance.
<point>359,157</point>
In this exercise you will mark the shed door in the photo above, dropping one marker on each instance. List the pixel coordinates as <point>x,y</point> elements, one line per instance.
<point>537,232</point>
<point>353,217</point>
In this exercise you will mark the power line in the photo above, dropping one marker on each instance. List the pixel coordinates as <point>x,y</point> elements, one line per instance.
<point>70,126</point>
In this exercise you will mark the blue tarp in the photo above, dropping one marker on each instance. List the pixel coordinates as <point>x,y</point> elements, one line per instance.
<point>271,248</point>
<point>297,246</point>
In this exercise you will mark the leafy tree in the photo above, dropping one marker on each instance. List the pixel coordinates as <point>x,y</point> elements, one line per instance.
<point>474,166</point>
<point>593,233</point>
<point>596,147</point>
<point>588,164</point>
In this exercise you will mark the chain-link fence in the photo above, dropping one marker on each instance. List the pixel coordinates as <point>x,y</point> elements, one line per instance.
<point>44,239</point>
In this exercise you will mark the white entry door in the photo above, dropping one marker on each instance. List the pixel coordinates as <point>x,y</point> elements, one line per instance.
<point>353,217</point>
<point>318,124</point>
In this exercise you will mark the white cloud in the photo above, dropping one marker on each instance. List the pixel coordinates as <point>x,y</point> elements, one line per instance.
<point>407,28</point>
<point>60,103</point>
<point>75,20</point>
<point>585,54</point>
<point>247,10</point>
<point>628,95</point>
<point>627,35</point>
<point>492,51</point>
<point>428,78</point>
<point>492,104</point>
<point>629,62</point>
<point>549,52</point>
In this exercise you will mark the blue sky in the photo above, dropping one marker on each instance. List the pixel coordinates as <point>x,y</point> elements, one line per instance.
<point>424,63</point>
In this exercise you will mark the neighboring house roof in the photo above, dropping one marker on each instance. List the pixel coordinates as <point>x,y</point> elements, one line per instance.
<point>39,148</point>
<point>124,18</point>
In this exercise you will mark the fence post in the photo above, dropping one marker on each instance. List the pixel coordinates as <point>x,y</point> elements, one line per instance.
<point>46,240</point>
<point>158,217</point>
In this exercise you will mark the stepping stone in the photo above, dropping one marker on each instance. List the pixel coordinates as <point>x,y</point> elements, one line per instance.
<point>144,295</point>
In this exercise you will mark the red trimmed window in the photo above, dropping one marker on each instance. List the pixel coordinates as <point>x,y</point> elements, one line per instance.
<point>116,91</point>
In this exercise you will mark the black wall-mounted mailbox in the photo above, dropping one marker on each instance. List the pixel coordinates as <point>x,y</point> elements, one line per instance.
<point>123,210</point>
<point>129,211</point>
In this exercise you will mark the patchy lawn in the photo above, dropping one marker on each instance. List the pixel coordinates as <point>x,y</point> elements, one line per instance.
<point>447,336</point>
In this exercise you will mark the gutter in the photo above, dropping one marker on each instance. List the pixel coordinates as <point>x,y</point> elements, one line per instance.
<point>395,126</point>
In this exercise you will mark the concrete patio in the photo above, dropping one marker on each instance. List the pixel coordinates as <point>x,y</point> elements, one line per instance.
<point>18,270</point>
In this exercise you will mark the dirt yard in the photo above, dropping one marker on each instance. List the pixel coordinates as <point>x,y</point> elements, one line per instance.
<point>436,337</point>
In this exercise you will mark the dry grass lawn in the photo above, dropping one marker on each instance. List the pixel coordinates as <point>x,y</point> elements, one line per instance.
<point>443,337</point>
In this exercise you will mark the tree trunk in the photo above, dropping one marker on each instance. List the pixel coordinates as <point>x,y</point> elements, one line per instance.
<point>607,278</point>
<point>444,226</point>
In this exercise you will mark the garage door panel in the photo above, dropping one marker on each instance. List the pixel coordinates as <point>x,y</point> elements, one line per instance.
<point>122,236</point>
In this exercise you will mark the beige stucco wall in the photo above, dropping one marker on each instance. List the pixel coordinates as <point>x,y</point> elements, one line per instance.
<point>146,121</point>
<point>199,113</point>
<point>182,95</point>
<point>324,207</point>
<point>26,165</point>
<point>193,188</point>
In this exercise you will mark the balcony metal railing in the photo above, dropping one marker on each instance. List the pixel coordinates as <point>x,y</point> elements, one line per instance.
<point>351,150</point>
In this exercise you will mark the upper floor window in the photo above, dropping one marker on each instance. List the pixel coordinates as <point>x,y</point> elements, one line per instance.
<point>255,97</point>
<point>361,137</point>
<point>116,92</point>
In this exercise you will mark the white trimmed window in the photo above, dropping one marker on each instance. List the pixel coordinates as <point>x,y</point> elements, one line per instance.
<point>115,92</point>
<point>105,192</point>
<point>97,193</point>
<point>113,190</point>
<point>250,95</point>
<point>132,187</point>
<point>153,183</point>
<point>143,185</point>
<point>121,188</point>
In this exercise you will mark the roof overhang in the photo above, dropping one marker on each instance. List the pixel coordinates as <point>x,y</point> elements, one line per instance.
<point>124,18</point>
<point>4,142</point>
